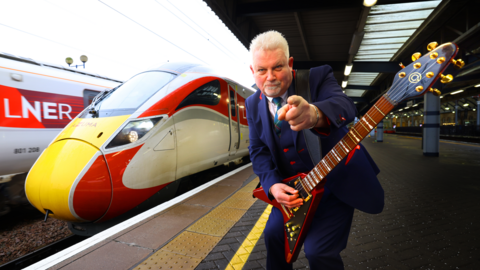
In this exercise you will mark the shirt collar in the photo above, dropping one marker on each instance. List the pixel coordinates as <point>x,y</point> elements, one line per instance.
<point>284,97</point>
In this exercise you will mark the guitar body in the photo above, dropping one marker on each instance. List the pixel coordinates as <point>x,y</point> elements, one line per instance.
<point>296,222</point>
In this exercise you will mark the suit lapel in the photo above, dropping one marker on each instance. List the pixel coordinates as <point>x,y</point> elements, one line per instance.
<point>266,118</point>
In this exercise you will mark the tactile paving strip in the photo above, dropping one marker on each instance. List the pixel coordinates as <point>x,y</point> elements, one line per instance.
<point>192,244</point>
<point>168,260</point>
<point>189,248</point>
<point>212,226</point>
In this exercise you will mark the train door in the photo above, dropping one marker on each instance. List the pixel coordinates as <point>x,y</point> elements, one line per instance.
<point>234,120</point>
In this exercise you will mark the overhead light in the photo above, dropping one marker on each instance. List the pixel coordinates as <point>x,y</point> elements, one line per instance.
<point>478,85</point>
<point>456,92</point>
<point>474,110</point>
<point>441,96</point>
<point>386,117</point>
<point>404,114</point>
<point>407,108</point>
<point>421,115</point>
<point>348,69</point>
<point>415,105</point>
<point>416,112</point>
<point>344,84</point>
<point>447,108</point>
<point>344,91</point>
<point>391,113</point>
<point>400,110</point>
<point>465,105</point>
<point>453,111</point>
<point>369,3</point>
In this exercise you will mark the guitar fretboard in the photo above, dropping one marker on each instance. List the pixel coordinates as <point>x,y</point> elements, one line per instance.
<point>356,134</point>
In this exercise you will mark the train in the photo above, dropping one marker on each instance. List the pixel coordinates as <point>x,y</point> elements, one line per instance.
<point>132,145</point>
<point>37,100</point>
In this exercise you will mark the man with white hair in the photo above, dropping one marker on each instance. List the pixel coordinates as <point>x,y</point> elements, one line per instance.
<point>277,118</point>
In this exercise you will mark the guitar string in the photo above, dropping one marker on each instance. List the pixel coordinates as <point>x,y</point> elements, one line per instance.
<point>374,113</point>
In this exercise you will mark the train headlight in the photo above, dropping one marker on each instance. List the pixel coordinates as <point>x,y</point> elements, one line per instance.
<point>133,131</point>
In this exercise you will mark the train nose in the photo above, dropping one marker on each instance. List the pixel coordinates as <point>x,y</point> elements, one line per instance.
<point>70,179</point>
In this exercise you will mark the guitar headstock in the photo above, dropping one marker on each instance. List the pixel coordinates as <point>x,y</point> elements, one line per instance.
<point>418,77</point>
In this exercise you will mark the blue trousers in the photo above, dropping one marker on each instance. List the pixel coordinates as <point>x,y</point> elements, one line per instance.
<point>326,238</point>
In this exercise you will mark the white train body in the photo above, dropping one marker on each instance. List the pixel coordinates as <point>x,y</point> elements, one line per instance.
<point>158,127</point>
<point>36,102</point>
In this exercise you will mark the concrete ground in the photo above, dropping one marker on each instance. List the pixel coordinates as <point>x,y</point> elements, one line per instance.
<point>431,218</point>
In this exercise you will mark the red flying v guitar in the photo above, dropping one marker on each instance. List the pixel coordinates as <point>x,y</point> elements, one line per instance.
<point>414,80</point>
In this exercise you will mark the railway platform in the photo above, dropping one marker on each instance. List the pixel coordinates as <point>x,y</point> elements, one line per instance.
<point>431,220</point>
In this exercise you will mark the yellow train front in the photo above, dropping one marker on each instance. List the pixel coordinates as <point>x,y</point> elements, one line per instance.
<point>133,141</point>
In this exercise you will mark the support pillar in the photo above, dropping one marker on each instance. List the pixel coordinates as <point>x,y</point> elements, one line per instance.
<point>478,112</point>
<point>380,132</point>
<point>431,140</point>
<point>456,112</point>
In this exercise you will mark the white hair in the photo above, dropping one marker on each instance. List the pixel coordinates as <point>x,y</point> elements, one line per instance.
<point>269,40</point>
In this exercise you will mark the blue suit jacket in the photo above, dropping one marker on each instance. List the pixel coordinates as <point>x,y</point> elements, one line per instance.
<point>355,183</point>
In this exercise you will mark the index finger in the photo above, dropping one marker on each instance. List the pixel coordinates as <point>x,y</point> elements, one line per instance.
<point>294,100</point>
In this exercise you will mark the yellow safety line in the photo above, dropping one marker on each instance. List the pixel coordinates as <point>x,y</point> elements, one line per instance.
<point>241,256</point>
<point>186,255</point>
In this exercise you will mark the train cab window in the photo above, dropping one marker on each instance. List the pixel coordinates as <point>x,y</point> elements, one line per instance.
<point>207,94</point>
<point>88,96</point>
<point>127,98</point>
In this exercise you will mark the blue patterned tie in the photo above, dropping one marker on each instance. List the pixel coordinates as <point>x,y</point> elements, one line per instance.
<point>278,123</point>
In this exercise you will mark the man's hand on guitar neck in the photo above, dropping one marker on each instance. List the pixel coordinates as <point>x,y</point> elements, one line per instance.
<point>286,195</point>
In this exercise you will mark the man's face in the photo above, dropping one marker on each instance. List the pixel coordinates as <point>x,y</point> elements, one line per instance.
<point>272,71</point>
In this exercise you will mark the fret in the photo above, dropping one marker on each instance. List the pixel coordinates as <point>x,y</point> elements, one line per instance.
<point>315,178</point>
<point>370,126</point>
<point>322,170</point>
<point>364,126</point>
<point>378,110</point>
<point>357,133</point>
<point>326,165</point>
<point>347,149</point>
<point>311,181</point>
<point>333,163</point>
<point>336,154</point>
<point>307,182</point>
<point>318,172</point>
<point>371,119</point>
<point>354,137</point>
<point>351,137</point>
<point>342,149</point>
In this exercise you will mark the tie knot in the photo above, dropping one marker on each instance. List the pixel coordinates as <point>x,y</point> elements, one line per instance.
<point>277,101</point>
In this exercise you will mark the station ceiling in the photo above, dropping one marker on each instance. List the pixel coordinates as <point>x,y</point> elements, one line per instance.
<point>375,40</point>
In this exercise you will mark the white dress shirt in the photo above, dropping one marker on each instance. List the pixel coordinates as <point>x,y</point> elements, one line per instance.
<point>273,107</point>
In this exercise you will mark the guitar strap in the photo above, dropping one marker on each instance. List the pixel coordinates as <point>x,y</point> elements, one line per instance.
<point>302,88</point>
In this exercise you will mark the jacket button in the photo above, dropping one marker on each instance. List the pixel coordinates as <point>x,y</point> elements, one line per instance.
<point>285,150</point>
<point>292,162</point>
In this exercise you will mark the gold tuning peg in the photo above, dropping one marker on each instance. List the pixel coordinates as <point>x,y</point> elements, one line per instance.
<point>458,64</point>
<point>416,56</point>
<point>432,45</point>
<point>446,78</point>
<point>435,92</point>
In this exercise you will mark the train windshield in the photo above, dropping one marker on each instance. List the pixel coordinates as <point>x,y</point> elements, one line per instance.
<point>131,95</point>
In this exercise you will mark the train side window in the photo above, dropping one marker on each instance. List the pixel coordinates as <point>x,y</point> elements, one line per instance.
<point>232,103</point>
<point>88,96</point>
<point>207,94</point>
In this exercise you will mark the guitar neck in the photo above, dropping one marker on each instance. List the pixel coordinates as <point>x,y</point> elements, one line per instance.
<point>356,134</point>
